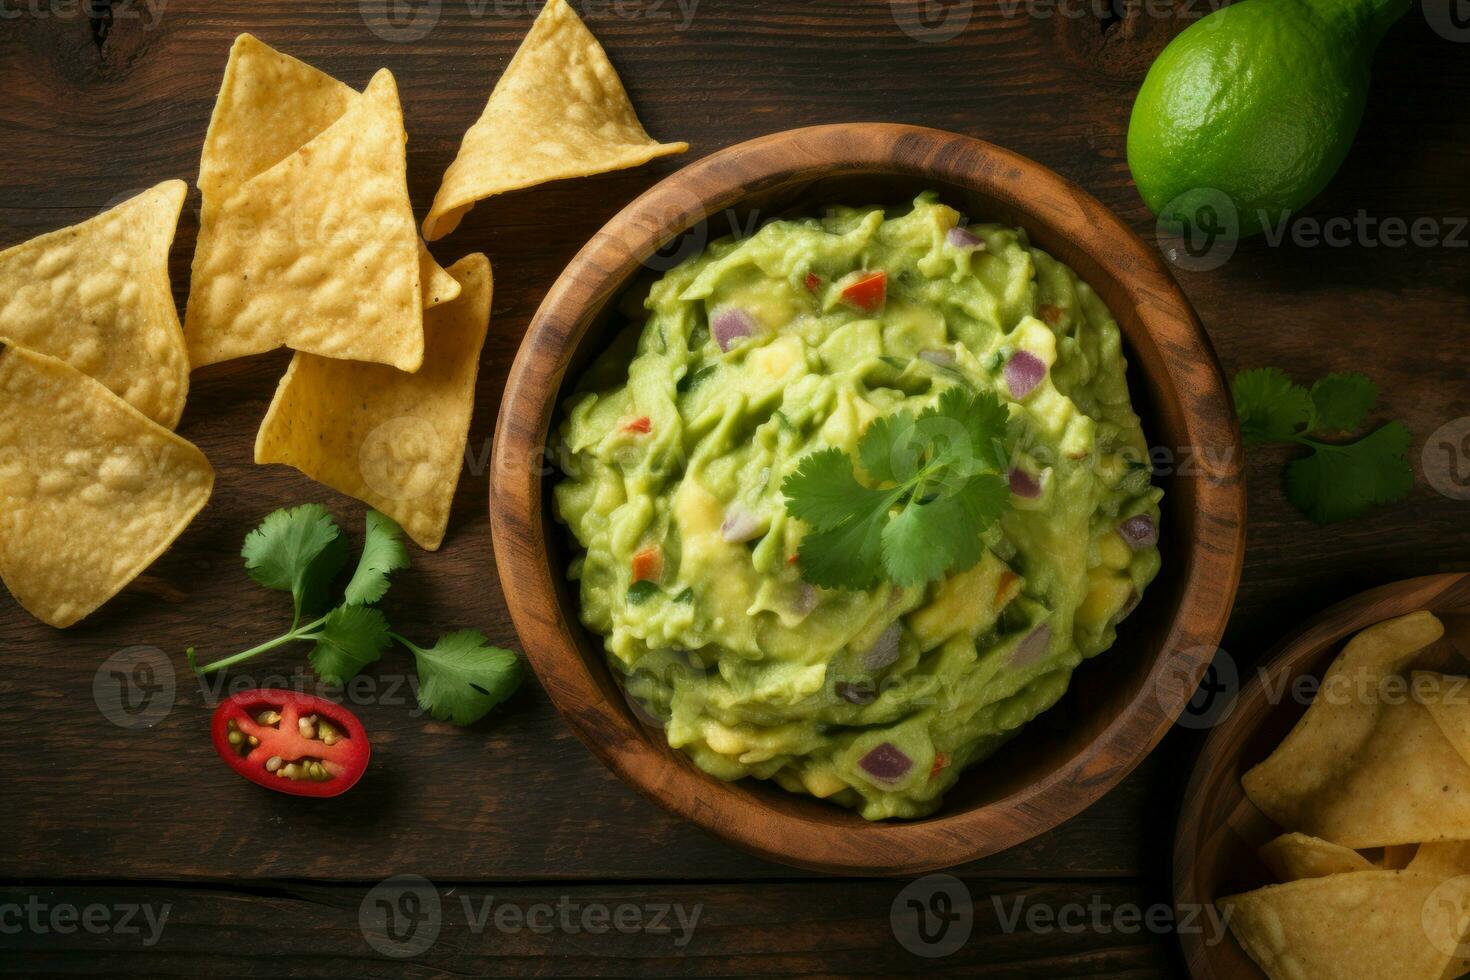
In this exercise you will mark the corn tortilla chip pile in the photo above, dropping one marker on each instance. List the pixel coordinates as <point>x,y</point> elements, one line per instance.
<point>97,296</point>
<point>307,237</point>
<point>559,111</point>
<point>91,490</point>
<point>1373,787</point>
<point>391,439</point>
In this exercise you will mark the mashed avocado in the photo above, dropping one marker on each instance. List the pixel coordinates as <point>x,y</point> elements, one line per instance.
<point>747,358</point>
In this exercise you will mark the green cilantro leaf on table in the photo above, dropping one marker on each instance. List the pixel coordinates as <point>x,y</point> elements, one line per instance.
<point>1336,481</point>
<point>301,550</point>
<point>938,487</point>
<point>383,553</point>
<point>462,676</point>
<point>350,638</point>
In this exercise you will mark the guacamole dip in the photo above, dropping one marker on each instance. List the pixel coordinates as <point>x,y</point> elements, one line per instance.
<point>749,357</point>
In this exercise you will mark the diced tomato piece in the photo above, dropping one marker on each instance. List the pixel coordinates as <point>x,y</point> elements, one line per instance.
<point>941,760</point>
<point>1051,314</point>
<point>642,425</point>
<point>648,565</point>
<point>868,293</point>
<point>813,282</point>
<point>792,559</point>
<point>291,742</point>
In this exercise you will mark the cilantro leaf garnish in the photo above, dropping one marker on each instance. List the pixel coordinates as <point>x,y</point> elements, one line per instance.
<point>462,676</point>
<point>1342,402</point>
<point>382,554</point>
<point>301,550</point>
<point>938,489</point>
<point>1336,481</point>
<point>1270,407</point>
<point>350,638</point>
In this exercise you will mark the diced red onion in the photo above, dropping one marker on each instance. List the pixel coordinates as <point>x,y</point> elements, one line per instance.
<point>944,358</point>
<point>886,763</point>
<point>1024,372</point>
<point>1024,485</point>
<point>1030,650</point>
<point>883,652</point>
<point>855,692</point>
<point>729,325</point>
<point>1140,532</point>
<point>964,238</point>
<point>740,525</point>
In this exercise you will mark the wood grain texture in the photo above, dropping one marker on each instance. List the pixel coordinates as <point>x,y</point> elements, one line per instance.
<point>1060,766</point>
<point>1219,829</point>
<point>517,798</point>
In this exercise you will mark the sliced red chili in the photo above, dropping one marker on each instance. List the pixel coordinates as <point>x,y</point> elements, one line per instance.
<point>868,293</point>
<point>648,565</point>
<point>291,742</point>
<point>641,424</point>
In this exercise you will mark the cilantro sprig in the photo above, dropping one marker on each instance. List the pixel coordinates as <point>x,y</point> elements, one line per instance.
<point>1337,480</point>
<point>301,550</point>
<point>937,488</point>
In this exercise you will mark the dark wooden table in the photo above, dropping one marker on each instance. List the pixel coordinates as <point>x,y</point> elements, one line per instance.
<point>103,824</point>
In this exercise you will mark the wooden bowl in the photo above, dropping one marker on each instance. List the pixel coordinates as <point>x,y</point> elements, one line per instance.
<point>1219,829</point>
<point>1072,754</point>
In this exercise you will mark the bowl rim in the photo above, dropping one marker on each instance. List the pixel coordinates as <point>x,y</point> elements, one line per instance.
<point>1306,649</point>
<point>608,263</point>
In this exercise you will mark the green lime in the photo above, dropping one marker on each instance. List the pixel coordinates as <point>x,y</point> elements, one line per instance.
<point>1255,105</point>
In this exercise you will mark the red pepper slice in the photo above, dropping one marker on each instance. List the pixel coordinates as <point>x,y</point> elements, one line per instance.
<point>868,293</point>
<point>642,424</point>
<point>291,742</point>
<point>813,282</point>
<point>648,565</point>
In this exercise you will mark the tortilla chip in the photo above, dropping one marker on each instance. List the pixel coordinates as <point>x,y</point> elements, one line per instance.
<point>269,106</point>
<point>393,440</point>
<point>1294,856</point>
<point>1320,755</point>
<point>97,296</point>
<point>559,111</point>
<point>1447,697</point>
<point>1442,859</point>
<point>1362,924</point>
<point>319,252</point>
<point>91,490</point>
<point>438,286</point>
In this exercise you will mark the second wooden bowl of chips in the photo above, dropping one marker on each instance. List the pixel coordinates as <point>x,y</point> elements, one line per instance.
<point>1120,703</point>
<point>1220,830</point>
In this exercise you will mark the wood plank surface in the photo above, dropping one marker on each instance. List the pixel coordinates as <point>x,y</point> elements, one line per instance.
<point>95,109</point>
